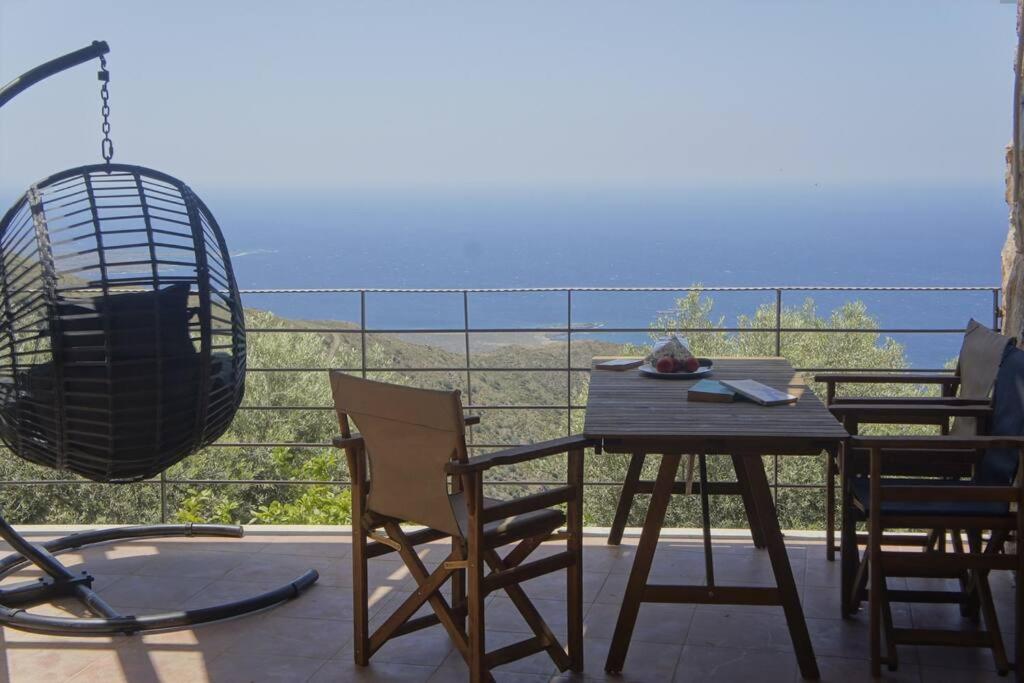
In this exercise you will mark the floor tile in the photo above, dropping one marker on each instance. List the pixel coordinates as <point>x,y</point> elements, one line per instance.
<point>271,634</point>
<point>699,663</point>
<point>344,669</point>
<point>248,667</point>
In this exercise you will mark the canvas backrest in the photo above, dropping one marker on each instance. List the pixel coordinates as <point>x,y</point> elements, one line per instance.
<point>999,465</point>
<point>980,355</point>
<point>410,435</point>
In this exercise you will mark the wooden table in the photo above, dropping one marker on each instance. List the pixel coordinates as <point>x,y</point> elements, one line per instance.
<point>631,413</point>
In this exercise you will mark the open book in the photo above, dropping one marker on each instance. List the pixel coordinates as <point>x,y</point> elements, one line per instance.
<point>759,393</point>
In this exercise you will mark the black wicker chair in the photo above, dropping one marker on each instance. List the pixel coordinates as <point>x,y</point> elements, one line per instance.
<point>122,351</point>
<point>122,338</point>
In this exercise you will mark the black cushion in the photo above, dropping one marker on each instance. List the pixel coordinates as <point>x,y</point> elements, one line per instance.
<point>141,325</point>
<point>125,426</point>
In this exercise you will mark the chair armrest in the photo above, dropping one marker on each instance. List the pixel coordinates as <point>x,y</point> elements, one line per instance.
<point>911,400</point>
<point>347,442</point>
<point>511,456</point>
<point>923,444</point>
<point>897,413</point>
<point>357,439</point>
<point>884,378</point>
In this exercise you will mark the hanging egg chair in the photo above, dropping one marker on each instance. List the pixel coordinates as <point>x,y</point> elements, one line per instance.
<point>122,351</point>
<point>123,339</point>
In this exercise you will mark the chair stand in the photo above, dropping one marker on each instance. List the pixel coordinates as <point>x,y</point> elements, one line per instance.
<point>61,582</point>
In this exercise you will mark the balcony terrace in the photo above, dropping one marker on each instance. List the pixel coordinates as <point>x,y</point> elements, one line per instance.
<point>309,639</point>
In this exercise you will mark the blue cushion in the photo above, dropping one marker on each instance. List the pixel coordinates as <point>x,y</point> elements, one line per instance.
<point>918,509</point>
<point>999,465</point>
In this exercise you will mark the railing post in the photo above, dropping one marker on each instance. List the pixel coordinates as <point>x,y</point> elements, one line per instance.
<point>778,321</point>
<point>163,497</point>
<point>568,362</point>
<point>996,312</point>
<point>469,372</point>
<point>362,329</point>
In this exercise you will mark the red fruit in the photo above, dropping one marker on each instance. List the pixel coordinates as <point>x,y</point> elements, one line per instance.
<point>665,364</point>
<point>677,365</point>
<point>691,364</point>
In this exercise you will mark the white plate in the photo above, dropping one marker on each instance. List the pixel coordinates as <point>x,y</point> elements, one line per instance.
<point>704,369</point>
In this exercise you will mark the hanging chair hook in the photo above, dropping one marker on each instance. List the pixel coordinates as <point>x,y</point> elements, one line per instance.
<point>106,146</point>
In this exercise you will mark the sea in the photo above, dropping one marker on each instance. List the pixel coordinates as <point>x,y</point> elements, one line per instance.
<point>793,235</point>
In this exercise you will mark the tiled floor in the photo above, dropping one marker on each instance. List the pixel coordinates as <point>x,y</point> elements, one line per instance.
<point>309,639</point>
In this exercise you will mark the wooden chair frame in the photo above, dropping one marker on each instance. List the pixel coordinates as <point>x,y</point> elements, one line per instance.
<point>975,562</point>
<point>474,566</point>
<point>948,461</point>
<point>948,383</point>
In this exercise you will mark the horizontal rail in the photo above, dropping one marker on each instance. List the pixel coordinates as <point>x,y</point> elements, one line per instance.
<point>310,482</point>
<point>605,330</point>
<point>691,288</point>
<point>563,368</point>
<point>564,330</point>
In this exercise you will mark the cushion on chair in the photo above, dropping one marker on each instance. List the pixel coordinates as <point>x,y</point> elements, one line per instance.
<point>980,357</point>
<point>502,531</point>
<point>132,319</point>
<point>999,465</point>
<point>862,495</point>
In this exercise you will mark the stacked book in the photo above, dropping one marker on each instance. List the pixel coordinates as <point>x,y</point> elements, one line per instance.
<point>727,390</point>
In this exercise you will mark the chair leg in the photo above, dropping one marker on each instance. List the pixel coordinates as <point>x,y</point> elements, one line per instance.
<point>831,472</point>
<point>360,598</point>
<point>530,614</point>
<point>874,556</point>
<point>428,588</point>
<point>477,659</point>
<point>891,656</point>
<point>1018,645</point>
<point>969,605</point>
<point>459,586</point>
<point>574,573</point>
<point>849,557</point>
<point>636,464</point>
<point>986,606</point>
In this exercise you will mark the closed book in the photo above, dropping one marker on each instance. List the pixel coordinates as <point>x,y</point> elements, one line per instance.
<point>710,390</point>
<point>759,393</point>
<point>619,364</point>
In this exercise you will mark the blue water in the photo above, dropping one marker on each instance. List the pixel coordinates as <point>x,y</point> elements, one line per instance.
<point>917,236</point>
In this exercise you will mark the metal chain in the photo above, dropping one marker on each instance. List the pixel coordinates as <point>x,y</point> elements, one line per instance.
<point>106,146</point>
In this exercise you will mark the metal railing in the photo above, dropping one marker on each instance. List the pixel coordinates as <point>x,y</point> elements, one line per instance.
<point>569,330</point>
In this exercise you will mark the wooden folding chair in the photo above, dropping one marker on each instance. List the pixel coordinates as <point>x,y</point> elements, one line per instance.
<point>409,465</point>
<point>986,508</point>
<point>968,385</point>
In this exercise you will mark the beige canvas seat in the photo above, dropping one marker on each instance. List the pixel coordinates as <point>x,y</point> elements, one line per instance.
<point>408,464</point>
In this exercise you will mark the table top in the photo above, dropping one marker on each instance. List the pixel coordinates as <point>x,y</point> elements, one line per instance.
<point>625,407</point>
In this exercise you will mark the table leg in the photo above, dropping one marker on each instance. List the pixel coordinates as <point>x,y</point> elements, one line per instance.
<point>757,481</point>
<point>748,505</point>
<point>636,463</point>
<point>642,562</point>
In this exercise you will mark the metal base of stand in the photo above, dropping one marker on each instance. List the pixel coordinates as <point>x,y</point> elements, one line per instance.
<point>62,582</point>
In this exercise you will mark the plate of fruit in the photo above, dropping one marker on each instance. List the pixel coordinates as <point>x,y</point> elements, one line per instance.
<point>671,359</point>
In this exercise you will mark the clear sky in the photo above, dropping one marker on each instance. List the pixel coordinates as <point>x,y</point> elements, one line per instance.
<point>344,94</point>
